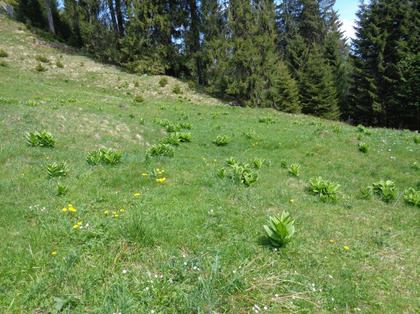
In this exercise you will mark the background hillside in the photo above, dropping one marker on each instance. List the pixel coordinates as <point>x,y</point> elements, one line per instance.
<point>178,234</point>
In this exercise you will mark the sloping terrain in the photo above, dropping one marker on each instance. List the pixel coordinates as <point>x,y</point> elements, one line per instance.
<point>180,234</point>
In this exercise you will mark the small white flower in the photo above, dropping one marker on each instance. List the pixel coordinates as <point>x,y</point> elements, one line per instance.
<point>147,288</point>
<point>332,299</point>
<point>312,284</point>
<point>265,307</point>
<point>183,255</point>
<point>276,295</point>
<point>87,225</point>
<point>156,276</point>
<point>161,276</point>
<point>234,271</point>
<point>185,263</point>
<point>330,276</point>
<point>124,271</point>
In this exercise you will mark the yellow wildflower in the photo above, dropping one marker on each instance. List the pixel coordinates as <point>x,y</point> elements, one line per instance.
<point>79,223</point>
<point>72,209</point>
<point>346,247</point>
<point>76,226</point>
<point>114,212</point>
<point>116,216</point>
<point>64,209</point>
<point>144,174</point>
<point>292,200</point>
<point>54,253</point>
<point>331,241</point>
<point>122,210</point>
<point>106,212</point>
<point>136,194</point>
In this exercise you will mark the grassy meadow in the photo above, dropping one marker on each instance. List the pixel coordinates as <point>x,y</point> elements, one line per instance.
<point>161,234</point>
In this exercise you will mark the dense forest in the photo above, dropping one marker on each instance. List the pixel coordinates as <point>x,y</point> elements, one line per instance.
<point>289,55</point>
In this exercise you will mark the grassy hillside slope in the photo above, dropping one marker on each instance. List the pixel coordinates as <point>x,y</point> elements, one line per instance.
<point>193,242</point>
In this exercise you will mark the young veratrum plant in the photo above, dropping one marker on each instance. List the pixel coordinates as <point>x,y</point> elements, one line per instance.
<point>280,230</point>
<point>326,190</point>
<point>42,139</point>
<point>385,189</point>
<point>294,169</point>
<point>104,156</point>
<point>160,150</point>
<point>62,189</point>
<point>239,172</point>
<point>412,196</point>
<point>171,139</point>
<point>363,147</point>
<point>221,140</point>
<point>257,162</point>
<point>57,169</point>
<point>267,120</point>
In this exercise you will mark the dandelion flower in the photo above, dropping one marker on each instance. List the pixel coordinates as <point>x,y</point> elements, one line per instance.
<point>292,200</point>
<point>54,253</point>
<point>76,226</point>
<point>106,212</point>
<point>136,194</point>
<point>331,241</point>
<point>116,215</point>
<point>79,223</point>
<point>64,209</point>
<point>144,174</point>
<point>346,247</point>
<point>122,210</point>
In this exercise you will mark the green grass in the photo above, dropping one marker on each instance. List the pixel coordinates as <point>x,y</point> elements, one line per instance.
<point>193,242</point>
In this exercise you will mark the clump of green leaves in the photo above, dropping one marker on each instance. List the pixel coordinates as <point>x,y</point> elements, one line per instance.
<point>416,138</point>
<point>42,59</point>
<point>177,89</point>
<point>294,169</point>
<point>184,137</point>
<point>172,139</point>
<point>363,147</point>
<point>104,156</point>
<point>267,120</point>
<point>59,64</point>
<point>31,103</point>
<point>138,99</point>
<point>3,53</point>
<point>250,134</point>
<point>283,163</point>
<point>160,150</point>
<point>385,189</point>
<point>40,68</point>
<point>185,126</point>
<point>221,140</point>
<point>257,162</point>
<point>62,189</point>
<point>163,82</point>
<point>280,230</point>
<point>239,172</point>
<point>42,139</point>
<point>170,128</point>
<point>367,192</point>
<point>412,196</point>
<point>57,169</point>
<point>326,190</point>
<point>415,165</point>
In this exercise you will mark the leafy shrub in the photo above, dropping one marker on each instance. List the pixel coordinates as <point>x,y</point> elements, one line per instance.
<point>62,189</point>
<point>326,190</point>
<point>231,161</point>
<point>385,189</point>
<point>3,53</point>
<point>186,126</point>
<point>42,59</point>
<point>172,128</point>
<point>138,99</point>
<point>40,68</point>
<point>267,120</point>
<point>294,169</point>
<point>250,134</point>
<point>57,169</point>
<point>239,172</point>
<point>163,82</point>
<point>361,128</point>
<point>412,196</point>
<point>221,140</point>
<point>257,162</point>
<point>141,121</point>
<point>160,150</point>
<point>363,147</point>
<point>59,64</point>
<point>104,156</point>
<point>367,192</point>
<point>280,230</point>
<point>172,139</point>
<point>360,137</point>
<point>184,137</point>
<point>283,163</point>
<point>177,89</point>
<point>42,139</point>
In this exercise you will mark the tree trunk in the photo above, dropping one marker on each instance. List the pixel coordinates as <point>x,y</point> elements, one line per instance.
<point>114,20</point>
<point>119,17</point>
<point>77,24</point>
<point>50,18</point>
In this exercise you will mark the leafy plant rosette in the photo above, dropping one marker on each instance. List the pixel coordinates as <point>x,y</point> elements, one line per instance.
<point>280,230</point>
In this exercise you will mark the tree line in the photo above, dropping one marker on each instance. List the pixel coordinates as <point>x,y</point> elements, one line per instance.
<point>290,55</point>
